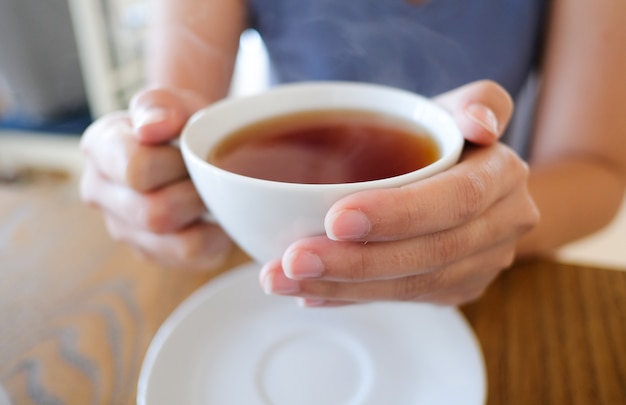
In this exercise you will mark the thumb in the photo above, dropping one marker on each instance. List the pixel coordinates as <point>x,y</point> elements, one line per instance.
<point>159,114</point>
<point>482,110</point>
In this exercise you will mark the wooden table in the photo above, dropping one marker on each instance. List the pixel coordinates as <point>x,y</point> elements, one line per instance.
<point>77,312</point>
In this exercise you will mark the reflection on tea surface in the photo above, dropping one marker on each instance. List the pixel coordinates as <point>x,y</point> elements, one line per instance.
<point>325,147</point>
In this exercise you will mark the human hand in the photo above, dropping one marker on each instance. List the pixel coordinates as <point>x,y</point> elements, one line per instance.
<point>440,240</point>
<point>138,180</point>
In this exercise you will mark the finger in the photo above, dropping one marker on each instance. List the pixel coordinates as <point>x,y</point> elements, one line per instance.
<point>274,281</point>
<point>152,167</point>
<point>111,145</point>
<point>201,246</point>
<point>460,282</point>
<point>159,114</point>
<point>103,142</point>
<point>481,109</point>
<point>441,202</point>
<point>322,258</point>
<point>162,211</point>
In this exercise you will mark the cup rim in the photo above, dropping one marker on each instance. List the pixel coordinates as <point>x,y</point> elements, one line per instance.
<point>445,160</point>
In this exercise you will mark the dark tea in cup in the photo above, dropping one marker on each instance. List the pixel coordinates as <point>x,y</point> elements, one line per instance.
<point>326,147</point>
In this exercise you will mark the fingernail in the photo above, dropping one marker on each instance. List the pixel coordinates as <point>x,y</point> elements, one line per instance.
<point>348,224</point>
<point>277,283</point>
<point>483,116</point>
<point>300,264</point>
<point>147,116</point>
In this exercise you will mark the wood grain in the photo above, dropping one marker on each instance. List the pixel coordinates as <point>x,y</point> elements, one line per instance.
<point>78,311</point>
<point>554,334</point>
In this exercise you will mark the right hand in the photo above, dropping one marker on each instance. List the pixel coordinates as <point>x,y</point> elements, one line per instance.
<point>139,182</point>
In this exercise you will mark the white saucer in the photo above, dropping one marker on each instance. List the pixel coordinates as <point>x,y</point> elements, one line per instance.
<point>230,344</point>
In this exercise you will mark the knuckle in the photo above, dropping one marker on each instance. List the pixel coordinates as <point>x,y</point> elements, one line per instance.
<point>408,289</point>
<point>506,260</point>
<point>446,246</point>
<point>412,221</point>
<point>528,214</point>
<point>155,214</point>
<point>353,261</point>
<point>364,262</point>
<point>493,262</point>
<point>412,288</point>
<point>512,166</point>
<point>358,267</point>
<point>94,132</point>
<point>532,211</point>
<point>470,191</point>
<point>524,168</point>
<point>104,128</point>
<point>531,217</point>
<point>515,165</point>
<point>137,167</point>
<point>88,185</point>
<point>190,248</point>
<point>323,290</point>
<point>106,145</point>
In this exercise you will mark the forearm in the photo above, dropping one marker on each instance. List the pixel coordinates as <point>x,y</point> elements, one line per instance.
<point>575,197</point>
<point>578,158</point>
<point>193,44</point>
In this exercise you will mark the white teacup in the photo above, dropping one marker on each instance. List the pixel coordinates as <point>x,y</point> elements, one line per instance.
<point>264,217</point>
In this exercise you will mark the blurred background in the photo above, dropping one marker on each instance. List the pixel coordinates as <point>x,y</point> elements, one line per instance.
<point>64,62</point>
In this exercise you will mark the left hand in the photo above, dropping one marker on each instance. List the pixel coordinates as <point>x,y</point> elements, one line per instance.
<point>441,240</point>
